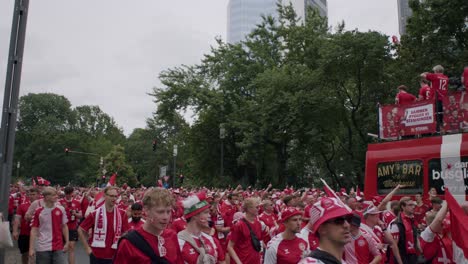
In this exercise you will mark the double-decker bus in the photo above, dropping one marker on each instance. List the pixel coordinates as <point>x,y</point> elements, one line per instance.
<point>419,164</point>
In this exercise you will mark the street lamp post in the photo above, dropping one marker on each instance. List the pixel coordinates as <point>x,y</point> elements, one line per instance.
<point>174,166</point>
<point>222,135</point>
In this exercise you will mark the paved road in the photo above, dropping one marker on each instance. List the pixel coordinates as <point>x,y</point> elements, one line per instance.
<point>13,256</point>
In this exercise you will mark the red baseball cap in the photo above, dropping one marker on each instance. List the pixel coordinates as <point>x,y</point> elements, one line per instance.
<point>325,209</point>
<point>288,213</point>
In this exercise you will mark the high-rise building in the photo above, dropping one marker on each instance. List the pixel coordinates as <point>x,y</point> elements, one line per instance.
<point>244,15</point>
<point>404,12</point>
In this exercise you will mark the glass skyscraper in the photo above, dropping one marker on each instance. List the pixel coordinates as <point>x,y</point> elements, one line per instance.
<point>404,12</point>
<point>244,15</point>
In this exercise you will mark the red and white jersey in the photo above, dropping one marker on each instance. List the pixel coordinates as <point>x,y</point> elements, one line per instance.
<point>268,219</point>
<point>436,248</point>
<point>439,82</point>
<point>73,205</point>
<point>179,224</point>
<point>135,225</point>
<point>387,217</point>
<point>280,250</point>
<point>25,226</point>
<point>361,250</point>
<point>190,254</point>
<point>240,236</point>
<point>310,238</point>
<point>48,222</point>
<point>310,260</point>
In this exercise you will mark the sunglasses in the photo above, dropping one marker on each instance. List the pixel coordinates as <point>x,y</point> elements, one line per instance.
<point>340,220</point>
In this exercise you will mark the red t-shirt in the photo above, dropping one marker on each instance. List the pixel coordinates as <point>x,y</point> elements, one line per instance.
<point>436,248</point>
<point>25,226</point>
<point>426,92</point>
<point>69,206</point>
<point>107,252</point>
<point>240,236</point>
<point>179,224</point>
<point>227,212</point>
<point>388,217</point>
<point>128,253</point>
<point>135,225</point>
<point>439,82</point>
<point>48,222</point>
<point>280,250</point>
<point>405,98</point>
<point>419,213</point>
<point>311,239</point>
<point>268,219</point>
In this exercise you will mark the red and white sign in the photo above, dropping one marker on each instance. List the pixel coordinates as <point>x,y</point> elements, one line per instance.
<point>406,120</point>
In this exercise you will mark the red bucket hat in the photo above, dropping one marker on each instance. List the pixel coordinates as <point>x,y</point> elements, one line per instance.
<point>288,213</point>
<point>325,209</point>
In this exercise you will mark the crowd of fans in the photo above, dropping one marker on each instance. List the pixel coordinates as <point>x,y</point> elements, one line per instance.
<point>157,225</point>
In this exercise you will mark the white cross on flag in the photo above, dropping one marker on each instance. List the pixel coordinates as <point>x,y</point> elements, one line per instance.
<point>42,181</point>
<point>459,229</point>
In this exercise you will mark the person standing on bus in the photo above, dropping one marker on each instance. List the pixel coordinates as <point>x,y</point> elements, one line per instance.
<point>439,82</point>
<point>425,92</point>
<point>403,97</point>
<point>404,230</point>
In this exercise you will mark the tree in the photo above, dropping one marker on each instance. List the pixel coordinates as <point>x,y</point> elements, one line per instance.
<point>116,162</point>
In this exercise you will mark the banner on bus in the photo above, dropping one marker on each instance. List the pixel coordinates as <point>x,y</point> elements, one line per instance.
<point>406,120</point>
<point>455,112</point>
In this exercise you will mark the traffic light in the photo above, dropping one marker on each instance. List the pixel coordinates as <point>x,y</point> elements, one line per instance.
<point>67,150</point>
<point>154,144</point>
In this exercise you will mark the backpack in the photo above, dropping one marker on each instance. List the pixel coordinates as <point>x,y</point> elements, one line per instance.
<point>137,240</point>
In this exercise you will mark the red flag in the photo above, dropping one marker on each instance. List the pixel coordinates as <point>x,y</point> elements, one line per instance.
<point>99,199</point>
<point>42,181</point>
<point>458,228</point>
<point>112,180</point>
<point>395,40</point>
<point>328,191</point>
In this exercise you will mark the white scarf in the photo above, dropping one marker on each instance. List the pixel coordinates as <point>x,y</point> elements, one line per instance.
<point>100,228</point>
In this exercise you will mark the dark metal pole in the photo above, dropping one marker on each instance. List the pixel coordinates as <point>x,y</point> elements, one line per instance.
<point>10,103</point>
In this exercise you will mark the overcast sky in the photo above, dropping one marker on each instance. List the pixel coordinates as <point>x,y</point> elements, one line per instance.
<point>110,52</point>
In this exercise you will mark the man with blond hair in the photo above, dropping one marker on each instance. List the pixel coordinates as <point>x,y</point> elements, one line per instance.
<point>244,246</point>
<point>161,242</point>
<point>49,231</point>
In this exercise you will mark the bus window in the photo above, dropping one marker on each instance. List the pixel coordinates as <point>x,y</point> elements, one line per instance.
<point>406,172</point>
<point>455,170</point>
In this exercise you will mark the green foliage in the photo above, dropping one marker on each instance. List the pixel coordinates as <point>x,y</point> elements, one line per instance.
<point>47,125</point>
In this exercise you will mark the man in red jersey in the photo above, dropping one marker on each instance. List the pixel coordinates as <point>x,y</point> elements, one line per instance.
<point>439,83</point>
<point>195,245</point>
<point>108,224</point>
<point>49,230</point>
<point>135,220</point>
<point>228,208</point>
<point>403,97</point>
<point>73,210</point>
<point>240,247</point>
<point>436,245</point>
<point>157,205</point>
<point>425,92</point>
<point>268,217</point>
<point>362,249</point>
<point>287,247</point>
<point>420,211</point>
<point>24,232</point>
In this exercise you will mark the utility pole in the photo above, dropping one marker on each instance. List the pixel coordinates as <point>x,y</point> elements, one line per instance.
<point>10,103</point>
<point>174,167</point>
